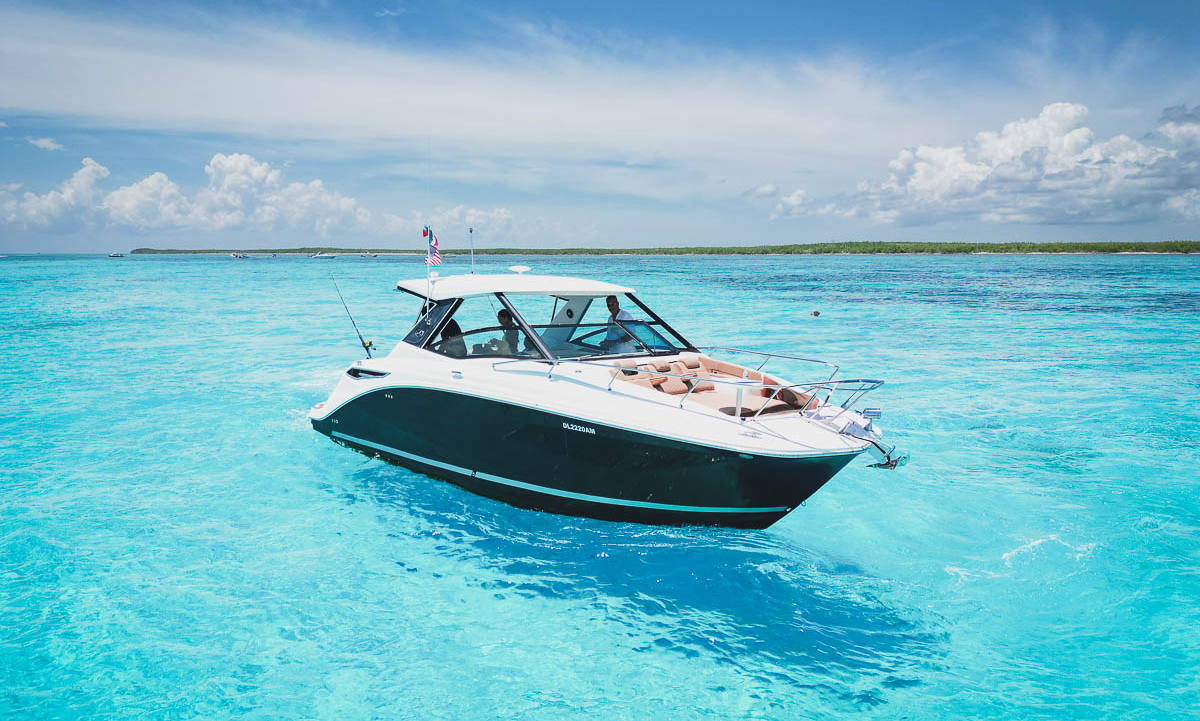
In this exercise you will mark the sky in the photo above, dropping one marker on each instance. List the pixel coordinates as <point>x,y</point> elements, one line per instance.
<point>614,124</point>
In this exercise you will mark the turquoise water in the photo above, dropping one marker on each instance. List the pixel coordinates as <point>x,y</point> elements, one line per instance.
<point>178,543</point>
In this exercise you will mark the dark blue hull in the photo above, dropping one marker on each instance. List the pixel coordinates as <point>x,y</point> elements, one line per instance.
<point>544,461</point>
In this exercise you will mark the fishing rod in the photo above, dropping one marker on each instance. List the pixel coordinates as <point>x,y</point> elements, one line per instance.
<point>366,344</point>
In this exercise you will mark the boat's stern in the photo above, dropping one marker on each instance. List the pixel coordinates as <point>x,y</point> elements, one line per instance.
<point>360,378</point>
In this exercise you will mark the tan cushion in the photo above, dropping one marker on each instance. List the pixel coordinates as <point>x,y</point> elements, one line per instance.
<point>691,367</point>
<point>674,386</point>
<point>723,368</point>
<point>625,364</point>
<point>798,400</point>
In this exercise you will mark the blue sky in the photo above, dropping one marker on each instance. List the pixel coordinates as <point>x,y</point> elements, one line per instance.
<point>594,124</point>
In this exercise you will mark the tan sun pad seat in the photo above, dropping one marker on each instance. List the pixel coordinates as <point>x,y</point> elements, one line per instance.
<point>722,369</point>
<point>620,367</point>
<point>666,384</point>
<point>798,400</point>
<point>724,399</point>
<point>627,371</point>
<point>648,377</point>
<point>692,367</point>
<point>794,398</point>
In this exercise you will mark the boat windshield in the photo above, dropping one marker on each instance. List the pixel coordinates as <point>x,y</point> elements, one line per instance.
<point>482,327</point>
<point>596,326</point>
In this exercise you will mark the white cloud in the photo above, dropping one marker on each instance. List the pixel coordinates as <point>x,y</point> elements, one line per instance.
<point>241,194</point>
<point>766,190</point>
<point>154,202</point>
<point>793,204</point>
<point>44,143</point>
<point>1048,169</point>
<point>3,124</point>
<point>1181,126</point>
<point>612,118</point>
<point>72,204</point>
<point>453,222</point>
<point>655,120</point>
<point>390,13</point>
<point>1186,204</point>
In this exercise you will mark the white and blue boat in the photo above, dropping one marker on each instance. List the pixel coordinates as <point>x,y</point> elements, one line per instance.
<point>572,396</point>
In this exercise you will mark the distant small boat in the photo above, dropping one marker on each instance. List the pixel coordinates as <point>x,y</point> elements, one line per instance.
<point>116,255</point>
<point>368,255</point>
<point>321,254</point>
<point>238,255</point>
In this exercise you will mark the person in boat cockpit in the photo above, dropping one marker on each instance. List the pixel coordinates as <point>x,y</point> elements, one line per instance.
<point>452,343</point>
<point>616,339</point>
<point>512,333</point>
<point>505,319</point>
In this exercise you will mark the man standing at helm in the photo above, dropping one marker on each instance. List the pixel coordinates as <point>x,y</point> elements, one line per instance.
<point>616,338</point>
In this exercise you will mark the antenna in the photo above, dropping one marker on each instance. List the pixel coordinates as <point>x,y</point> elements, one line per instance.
<point>366,344</point>
<point>471,234</point>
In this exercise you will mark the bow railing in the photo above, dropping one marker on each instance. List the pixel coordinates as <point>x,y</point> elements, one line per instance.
<point>854,388</point>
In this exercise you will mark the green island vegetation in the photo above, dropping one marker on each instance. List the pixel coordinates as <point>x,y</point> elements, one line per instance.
<point>855,247</point>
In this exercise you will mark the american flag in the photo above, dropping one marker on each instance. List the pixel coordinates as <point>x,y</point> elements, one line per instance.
<point>432,256</point>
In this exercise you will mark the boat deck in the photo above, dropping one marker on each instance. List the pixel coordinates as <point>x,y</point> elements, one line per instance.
<point>729,388</point>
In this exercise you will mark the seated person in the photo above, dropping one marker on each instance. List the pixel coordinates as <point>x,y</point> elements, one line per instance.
<point>452,343</point>
<point>512,332</point>
<point>616,340</point>
<point>505,319</point>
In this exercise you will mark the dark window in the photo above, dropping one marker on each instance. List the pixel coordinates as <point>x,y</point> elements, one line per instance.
<point>481,327</point>
<point>428,322</point>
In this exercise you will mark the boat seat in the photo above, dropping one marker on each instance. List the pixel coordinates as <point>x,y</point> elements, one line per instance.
<point>692,367</point>
<point>794,398</point>
<point>625,368</point>
<point>723,369</point>
<point>666,384</point>
<point>797,400</point>
<point>626,371</point>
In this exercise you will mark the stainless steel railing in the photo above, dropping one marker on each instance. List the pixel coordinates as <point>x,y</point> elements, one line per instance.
<point>856,388</point>
<point>767,357</point>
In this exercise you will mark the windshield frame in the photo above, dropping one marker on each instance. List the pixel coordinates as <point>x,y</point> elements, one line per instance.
<point>654,323</point>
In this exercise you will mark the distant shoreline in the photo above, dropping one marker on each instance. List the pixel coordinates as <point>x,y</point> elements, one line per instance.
<point>851,248</point>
